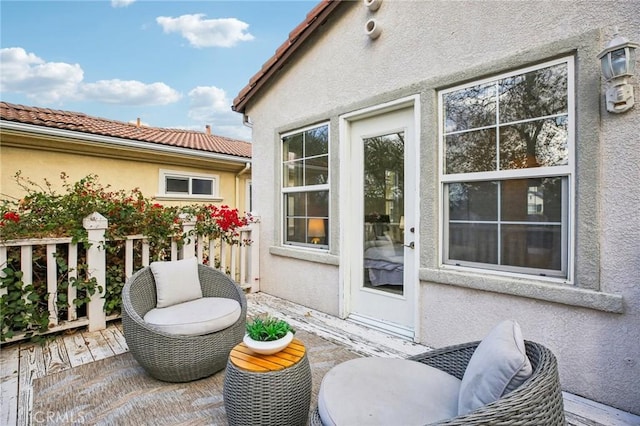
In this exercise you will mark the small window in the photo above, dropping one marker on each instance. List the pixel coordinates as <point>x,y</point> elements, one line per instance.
<point>305,187</point>
<point>507,171</point>
<point>186,185</point>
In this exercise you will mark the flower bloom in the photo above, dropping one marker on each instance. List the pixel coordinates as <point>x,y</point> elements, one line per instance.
<point>12,216</point>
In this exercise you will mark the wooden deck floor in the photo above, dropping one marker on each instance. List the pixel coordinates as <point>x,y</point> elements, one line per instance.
<point>22,363</point>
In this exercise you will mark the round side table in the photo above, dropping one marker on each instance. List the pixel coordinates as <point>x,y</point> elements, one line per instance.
<point>268,389</point>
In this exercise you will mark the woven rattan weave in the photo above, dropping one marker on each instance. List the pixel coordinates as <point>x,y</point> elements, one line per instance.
<point>280,397</point>
<point>177,358</point>
<point>538,401</point>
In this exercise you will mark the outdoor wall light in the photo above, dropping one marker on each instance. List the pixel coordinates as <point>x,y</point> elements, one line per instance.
<point>618,61</point>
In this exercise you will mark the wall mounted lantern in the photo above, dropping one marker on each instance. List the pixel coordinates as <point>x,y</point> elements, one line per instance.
<point>618,61</point>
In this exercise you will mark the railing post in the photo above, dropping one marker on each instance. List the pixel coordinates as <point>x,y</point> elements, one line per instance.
<point>188,225</point>
<point>254,256</point>
<point>96,225</point>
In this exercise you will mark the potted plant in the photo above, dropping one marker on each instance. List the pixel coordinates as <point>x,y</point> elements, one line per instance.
<point>267,335</point>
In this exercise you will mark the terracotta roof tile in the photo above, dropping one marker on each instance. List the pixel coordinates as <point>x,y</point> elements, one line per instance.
<point>296,37</point>
<point>79,122</point>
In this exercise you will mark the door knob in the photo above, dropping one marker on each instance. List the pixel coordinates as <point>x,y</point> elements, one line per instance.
<point>411,245</point>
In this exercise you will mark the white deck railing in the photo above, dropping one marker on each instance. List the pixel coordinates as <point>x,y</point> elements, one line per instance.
<point>239,261</point>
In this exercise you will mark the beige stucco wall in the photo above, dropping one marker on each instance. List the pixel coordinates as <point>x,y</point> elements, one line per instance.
<point>593,325</point>
<point>120,173</point>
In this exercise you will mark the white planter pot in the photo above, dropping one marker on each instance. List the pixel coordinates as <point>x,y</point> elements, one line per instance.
<point>270,347</point>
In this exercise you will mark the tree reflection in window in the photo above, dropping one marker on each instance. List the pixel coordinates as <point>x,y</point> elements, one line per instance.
<point>514,122</point>
<point>500,213</point>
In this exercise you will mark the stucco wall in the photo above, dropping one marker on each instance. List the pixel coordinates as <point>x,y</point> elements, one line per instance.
<point>119,173</point>
<point>592,325</point>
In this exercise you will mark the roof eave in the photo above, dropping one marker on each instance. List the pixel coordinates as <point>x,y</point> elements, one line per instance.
<point>128,143</point>
<point>297,37</point>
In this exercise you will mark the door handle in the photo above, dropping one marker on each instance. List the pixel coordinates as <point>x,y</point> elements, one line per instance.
<point>411,245</point>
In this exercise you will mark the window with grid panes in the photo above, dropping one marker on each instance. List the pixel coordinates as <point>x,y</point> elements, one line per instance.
<point>305,187</point>
<point>507,171</point>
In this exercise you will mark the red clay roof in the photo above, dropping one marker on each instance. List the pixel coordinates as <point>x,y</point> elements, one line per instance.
<point>79,122</point>
<point>313,20</point>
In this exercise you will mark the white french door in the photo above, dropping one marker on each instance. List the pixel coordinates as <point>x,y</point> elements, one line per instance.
<point>379,230</point>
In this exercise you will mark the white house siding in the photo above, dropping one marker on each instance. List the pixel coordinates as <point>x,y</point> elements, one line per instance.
<point>428,45</point>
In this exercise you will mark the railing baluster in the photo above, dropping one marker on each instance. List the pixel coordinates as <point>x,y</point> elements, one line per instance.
<point>223,256</point>
<point>128,258</point>
<point>212,252</point>
<point>52,284</point>
<point>243,259</point>
<point>145,253</point>
<point>3,264</point>
<point>26,266</point>
<point>234,262</point>
<point>200,248</point>
<point>174,250</point>
<point>72,291</point>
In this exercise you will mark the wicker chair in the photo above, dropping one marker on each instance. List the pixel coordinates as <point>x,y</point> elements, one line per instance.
<point>178,358</point>
<point>538,401</point>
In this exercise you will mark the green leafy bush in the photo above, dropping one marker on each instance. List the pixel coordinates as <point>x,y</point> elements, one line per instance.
<point>44,212</point>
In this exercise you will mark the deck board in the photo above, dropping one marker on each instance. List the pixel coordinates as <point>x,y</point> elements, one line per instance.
<point>9,369</point>
<point>22,363</point>
<point>97,345</point>
<point>77,349</point>
<point>55,357</point>
<point>115,339</point>
<point>31,368</point>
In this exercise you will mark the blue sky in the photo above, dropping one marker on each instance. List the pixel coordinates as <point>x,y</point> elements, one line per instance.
<point>170,63</point>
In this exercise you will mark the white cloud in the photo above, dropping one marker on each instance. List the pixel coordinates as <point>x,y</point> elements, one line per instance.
<point>129,92</point>
<point>210,105</point>
<point>208,101</point>
<point>48,82</point>
<point>121,3</point>
<point>200,32</point>
<point>26,73</point>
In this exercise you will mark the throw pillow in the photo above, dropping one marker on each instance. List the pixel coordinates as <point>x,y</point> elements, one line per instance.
<point>498,366</point>
<point>176,281</point>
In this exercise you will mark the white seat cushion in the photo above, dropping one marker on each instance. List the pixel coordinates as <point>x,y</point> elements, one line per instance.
<point>195,317</point>
<point>386,391</point>
<point>176,281</point>
<point>498,366</point>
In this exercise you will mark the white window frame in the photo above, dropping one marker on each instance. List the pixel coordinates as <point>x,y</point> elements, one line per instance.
<point>565,171</point>
<point>284,190</point>
<point>162,188</point>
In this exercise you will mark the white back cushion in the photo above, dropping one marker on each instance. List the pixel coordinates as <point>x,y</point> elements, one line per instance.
<point>176,281</point>
<point>498,366</point>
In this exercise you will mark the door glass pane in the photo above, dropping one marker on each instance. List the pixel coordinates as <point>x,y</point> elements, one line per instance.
<point>384,212</point>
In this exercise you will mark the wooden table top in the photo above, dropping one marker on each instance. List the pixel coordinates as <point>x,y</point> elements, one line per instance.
<point>243,357</point>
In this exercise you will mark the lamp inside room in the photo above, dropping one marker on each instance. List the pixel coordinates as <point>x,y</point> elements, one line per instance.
<point>315,230</point>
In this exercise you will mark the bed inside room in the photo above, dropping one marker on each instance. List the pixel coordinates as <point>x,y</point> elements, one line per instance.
<point>383,256</point>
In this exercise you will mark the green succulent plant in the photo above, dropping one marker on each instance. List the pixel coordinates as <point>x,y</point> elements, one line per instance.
<point>267,328</point>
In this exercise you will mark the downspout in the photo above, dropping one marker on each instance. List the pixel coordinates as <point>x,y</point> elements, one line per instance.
<point>247,166</point>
